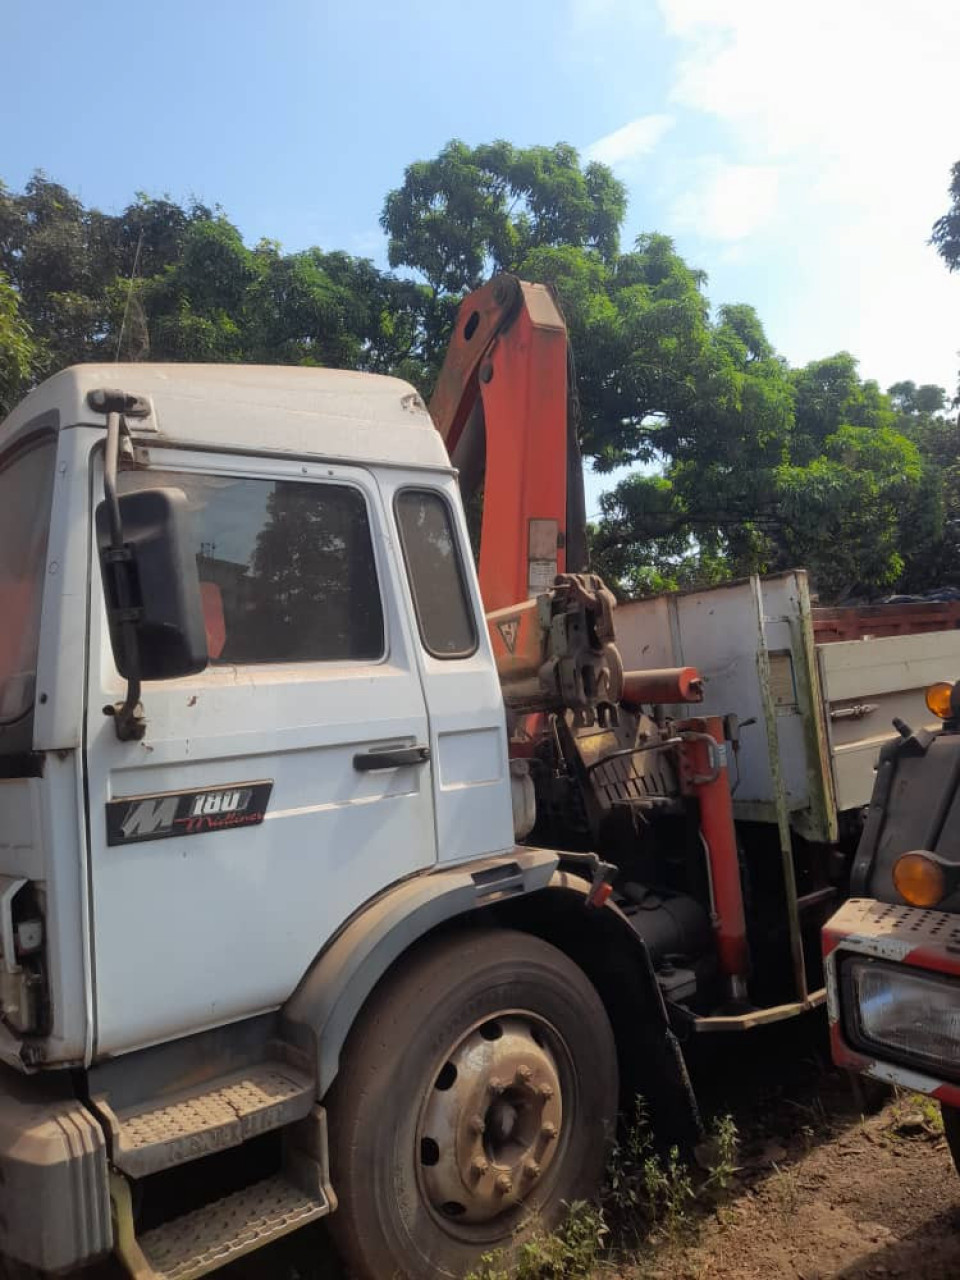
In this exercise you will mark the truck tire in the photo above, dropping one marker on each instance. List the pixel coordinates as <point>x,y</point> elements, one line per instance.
<point>476,1095</point>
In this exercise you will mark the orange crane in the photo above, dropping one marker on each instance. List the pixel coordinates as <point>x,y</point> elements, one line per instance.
<point>505,405</point>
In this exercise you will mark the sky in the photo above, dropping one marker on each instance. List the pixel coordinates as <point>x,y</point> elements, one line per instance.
<point>797,152</point>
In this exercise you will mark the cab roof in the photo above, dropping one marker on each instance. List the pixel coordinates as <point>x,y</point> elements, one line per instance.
<point>327,413</point>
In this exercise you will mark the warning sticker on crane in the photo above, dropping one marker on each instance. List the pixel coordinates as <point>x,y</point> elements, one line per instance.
<point>508,629</point>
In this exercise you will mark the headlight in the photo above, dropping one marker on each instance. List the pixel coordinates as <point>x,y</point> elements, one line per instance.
<point>913,1015</point>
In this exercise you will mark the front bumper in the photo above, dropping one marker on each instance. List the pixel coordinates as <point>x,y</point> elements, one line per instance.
<point>54,1188</point>
<point>920,941</point>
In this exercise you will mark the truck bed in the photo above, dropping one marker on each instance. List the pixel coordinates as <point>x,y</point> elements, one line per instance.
<point>820,706</point>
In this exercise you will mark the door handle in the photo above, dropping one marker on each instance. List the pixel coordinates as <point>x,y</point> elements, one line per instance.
<point>390,758</point>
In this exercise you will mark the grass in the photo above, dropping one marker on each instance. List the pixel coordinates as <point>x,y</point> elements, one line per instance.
<point>784,1191</point>
<point>648,1200</point>
<point>915,1114</point>
<point>573,1250</point>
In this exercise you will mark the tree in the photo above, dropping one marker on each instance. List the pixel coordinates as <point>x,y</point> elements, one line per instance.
<point>946,230</point>
<point>840,514</point>
<point>19,353</point>
<point>909,399</point>
<point>472,211</point>
<point>931,524</point>
<point>835,484</point>
<point>740,464</point>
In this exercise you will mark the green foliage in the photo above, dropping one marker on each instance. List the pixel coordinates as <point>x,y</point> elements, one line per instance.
<point>648,1197</point>
<point>649,1193</point>
<point>471,211</point>
<point>739,463</point>
<point>725,1148</point>
<point>841,512</point>
<point>19,353</point>
<point>643,1190</point>
<point>572,1251</point>
<point>946,230</point>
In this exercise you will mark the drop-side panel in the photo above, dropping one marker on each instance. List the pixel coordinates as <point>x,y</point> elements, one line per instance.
<point>752,642</point>
<point>866,684</point>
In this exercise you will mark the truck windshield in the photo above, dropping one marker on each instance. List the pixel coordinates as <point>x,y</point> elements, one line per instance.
<point>26,490</point>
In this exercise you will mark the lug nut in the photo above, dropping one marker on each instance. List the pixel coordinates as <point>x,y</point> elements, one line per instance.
<point>546,1091</point>
<point>531,1169</point>
<point>523,1073</point>
<point>495,1084</point>
<point>479,1166</point>
<point>476,1125</point>
<point>549,1131</point>
<point>504,1184</point>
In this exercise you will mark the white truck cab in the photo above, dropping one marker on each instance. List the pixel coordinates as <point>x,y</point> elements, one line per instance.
<point>208,875</point>
<point>342,621</point>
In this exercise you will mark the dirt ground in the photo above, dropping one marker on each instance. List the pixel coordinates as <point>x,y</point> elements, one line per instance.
<point>823,1190</point>
<point>877,1199</point>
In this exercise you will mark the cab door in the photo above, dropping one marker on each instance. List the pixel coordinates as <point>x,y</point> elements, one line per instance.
<point>468,738</point>
<point>279,789</point>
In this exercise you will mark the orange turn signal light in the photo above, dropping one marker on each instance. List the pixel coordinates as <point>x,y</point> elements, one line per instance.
<point>939,698</point>
<point>919,880</point>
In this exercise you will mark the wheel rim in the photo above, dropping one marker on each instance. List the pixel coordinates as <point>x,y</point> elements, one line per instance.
<point>492,1119</point>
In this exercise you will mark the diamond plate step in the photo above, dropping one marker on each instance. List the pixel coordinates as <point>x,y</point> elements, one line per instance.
<point>224,1113</point>
<point>212,1237</point>
<point>216,1234</point>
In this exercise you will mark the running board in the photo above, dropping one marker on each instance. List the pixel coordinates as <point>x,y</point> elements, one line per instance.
<point>222,1113</point>
<point>217,1234</point>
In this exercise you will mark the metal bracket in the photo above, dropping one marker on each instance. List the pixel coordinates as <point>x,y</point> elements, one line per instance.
<point>125,1244</point>
<point>856,712</point>
<point>113,400</point>
<point>10,886</point>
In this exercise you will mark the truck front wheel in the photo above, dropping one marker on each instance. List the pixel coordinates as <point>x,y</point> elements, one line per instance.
<point>476,1095</point>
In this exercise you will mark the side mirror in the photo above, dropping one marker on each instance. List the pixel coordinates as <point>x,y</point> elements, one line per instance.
<point>152,585</point>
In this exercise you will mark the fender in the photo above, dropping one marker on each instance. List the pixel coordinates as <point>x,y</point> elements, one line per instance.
<point>529,890</point>
<point>617,961</point>
<point>318,1016</point>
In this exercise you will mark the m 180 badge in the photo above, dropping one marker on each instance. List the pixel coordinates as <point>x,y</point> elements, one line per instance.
<point>186,813</point>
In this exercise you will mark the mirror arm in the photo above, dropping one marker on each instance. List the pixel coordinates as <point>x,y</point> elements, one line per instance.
<point>128,720</point>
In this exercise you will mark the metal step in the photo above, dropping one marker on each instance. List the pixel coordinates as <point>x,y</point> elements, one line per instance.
<point>218,1233</point>
<point>223,1113</point>
<point>210,1238</point>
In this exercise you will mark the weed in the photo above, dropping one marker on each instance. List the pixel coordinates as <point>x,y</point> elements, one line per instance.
<point>785,1191</point>
<point>647,1191</point>
<point>930,1110</point>
<point>570,1252</point>
<point>668,1191</point>
<point>723,1156</point>
<point>819,1122</point>
<point>647,1194</point>
<point>626,1184</point>
<point>915,1114</point>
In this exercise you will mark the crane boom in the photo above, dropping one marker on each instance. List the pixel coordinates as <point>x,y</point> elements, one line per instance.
<point>502,406</point>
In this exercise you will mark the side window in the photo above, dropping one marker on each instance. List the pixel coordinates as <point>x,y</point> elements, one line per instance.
<point>435,570</point>
<point>287,569</point>
<point>26,496</point>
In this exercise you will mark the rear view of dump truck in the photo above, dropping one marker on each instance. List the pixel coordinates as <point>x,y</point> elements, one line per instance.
<point>893,950</point>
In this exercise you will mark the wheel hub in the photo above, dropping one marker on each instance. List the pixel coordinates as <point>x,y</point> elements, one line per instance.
<point>491,1122</point>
